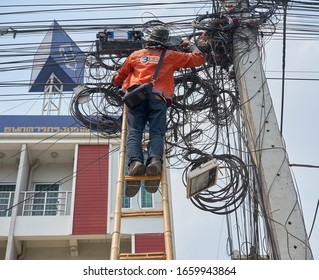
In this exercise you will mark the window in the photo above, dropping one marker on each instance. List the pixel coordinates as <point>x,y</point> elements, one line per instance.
<point>6,199</point>
<point>146,198</point>
<point>45,200</point>
<point>126,201</point>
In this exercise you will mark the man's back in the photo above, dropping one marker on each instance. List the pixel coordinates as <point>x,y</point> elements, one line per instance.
<point>140,66</point>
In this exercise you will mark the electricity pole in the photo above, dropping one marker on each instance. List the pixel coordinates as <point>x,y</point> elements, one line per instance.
<point>286,232</point>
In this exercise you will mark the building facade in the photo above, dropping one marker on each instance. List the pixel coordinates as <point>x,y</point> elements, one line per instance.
<point>58,192</point>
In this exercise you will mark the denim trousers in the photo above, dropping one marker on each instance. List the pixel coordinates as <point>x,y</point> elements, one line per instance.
<point>152,112</point>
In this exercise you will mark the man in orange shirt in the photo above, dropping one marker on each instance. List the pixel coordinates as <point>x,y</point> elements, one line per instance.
<point>138,69</point>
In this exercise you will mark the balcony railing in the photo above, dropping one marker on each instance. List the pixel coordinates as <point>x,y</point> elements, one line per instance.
<point>46,203</point>
<point>6,202</point>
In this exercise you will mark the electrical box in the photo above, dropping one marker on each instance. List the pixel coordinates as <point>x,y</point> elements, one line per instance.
<point>118,42</point>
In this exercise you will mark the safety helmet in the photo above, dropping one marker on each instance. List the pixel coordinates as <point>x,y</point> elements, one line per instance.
<point>159,34</point>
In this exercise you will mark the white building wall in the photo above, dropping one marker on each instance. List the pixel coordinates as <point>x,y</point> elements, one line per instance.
<point>61,174</point>
<point>8,173</point>
<point>5,225</point>
<point>142,225</point>
<point>30,226</point>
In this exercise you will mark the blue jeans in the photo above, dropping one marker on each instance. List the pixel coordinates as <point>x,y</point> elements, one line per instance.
<point>153,112</point>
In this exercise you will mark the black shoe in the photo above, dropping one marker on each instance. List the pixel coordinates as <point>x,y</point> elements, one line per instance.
<point>153,169</point>
<point>136,168</point>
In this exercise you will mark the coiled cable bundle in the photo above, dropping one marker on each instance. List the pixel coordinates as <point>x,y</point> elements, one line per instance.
<point>98,108</point>
<point>231,186</point>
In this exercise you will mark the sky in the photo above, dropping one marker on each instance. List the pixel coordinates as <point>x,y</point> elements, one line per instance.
<point>300,127</point>
<point>199,234</point>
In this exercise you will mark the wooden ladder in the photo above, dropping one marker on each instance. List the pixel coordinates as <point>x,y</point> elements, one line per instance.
<point>119,214</point>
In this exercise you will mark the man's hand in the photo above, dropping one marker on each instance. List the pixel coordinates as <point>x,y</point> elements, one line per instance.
<point>185,43</point>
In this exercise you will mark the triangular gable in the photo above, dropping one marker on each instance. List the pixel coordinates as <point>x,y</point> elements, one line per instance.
<point>57,54</point>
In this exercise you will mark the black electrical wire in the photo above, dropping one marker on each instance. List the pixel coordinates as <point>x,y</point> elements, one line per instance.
<point>86,109</point>
<point>314,219</point>
<point>283,68</point>
<point>227,197</point>
<point>206,98</point>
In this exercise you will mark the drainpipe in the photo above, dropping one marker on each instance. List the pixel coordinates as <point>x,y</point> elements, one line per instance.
<point>33,167</point>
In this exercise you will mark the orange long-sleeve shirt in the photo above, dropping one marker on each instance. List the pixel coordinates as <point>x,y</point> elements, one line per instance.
<point>140,67</point>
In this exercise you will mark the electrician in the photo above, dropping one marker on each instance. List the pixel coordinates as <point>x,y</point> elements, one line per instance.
<point>138,69</point>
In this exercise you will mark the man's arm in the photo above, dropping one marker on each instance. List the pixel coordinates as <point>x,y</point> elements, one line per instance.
<point>186,44</point>
<point>188,60</point>
<point>120,76</point>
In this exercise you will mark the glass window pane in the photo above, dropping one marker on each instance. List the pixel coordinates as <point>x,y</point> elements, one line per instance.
<point>126,201</point>
<point>146,198</point>
<point>45,200</point>
<point>6,199</point>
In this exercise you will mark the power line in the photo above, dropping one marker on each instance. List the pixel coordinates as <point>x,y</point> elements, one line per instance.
<point>217,103</point>
<point>283,67</point>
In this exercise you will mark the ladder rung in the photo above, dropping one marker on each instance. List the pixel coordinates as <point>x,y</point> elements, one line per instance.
<point>142,177</point>
<point>142,213</point>
<point>164,211</point>
<point>143,256</point>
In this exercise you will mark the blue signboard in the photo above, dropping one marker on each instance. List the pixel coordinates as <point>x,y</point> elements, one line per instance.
<point>59,55</point>
<point>40,124</point>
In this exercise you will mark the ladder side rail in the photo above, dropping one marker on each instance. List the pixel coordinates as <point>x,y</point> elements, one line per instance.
<point>168,236</point>
<point>116,234</point>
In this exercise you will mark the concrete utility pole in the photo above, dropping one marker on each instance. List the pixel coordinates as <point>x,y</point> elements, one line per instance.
<point>287,236</point>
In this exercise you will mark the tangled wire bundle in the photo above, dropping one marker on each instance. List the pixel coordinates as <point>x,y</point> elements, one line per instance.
<point>99,109</point>
<point>230,189</point>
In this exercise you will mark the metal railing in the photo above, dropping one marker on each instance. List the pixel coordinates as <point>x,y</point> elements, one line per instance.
<point>6,202</point>
<point>46,203</point>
